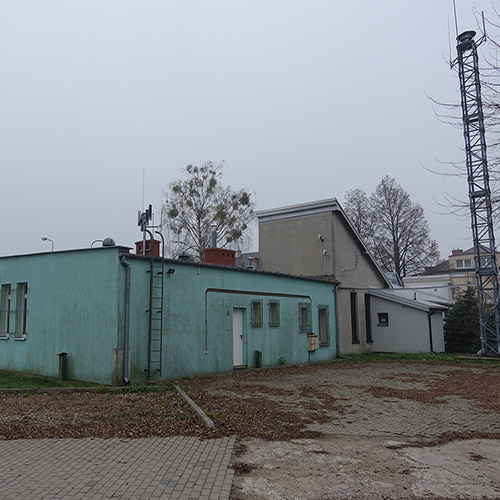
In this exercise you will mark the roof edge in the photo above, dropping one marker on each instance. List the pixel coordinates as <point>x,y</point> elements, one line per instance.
<point>327,205</point>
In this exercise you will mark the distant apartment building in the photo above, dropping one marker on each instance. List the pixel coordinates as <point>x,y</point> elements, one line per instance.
<point>449,276</point>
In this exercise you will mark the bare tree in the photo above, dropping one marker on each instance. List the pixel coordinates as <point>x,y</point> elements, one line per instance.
<point>357,206</point>
<point>200,204</point>
<point>393,227</point>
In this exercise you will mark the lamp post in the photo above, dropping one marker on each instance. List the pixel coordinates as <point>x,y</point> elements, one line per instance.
<point>44,238</point>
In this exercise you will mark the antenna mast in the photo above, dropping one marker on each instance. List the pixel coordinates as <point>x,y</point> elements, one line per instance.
<point>479,193</point>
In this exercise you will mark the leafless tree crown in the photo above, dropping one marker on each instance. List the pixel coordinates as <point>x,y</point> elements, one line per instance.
<point>393,227</point>
<point>199,204</point>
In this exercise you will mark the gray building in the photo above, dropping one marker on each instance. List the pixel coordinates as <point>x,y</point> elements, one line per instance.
<point>317,239</point>
<point>404,320</point>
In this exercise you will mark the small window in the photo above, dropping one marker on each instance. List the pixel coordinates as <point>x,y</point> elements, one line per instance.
<point>464,263</point>
<point>324,336</point>
<point>5,311</point>
<point>274,313</point>
<point>354,318</point>
<point>257,313</point>
<point>21,310</point>
<point>305,318</point>
<point>383,319</point>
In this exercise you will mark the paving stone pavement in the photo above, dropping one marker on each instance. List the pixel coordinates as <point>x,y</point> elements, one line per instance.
<point>367,415</point>
<point>360,413</point>
<point>150,468</point>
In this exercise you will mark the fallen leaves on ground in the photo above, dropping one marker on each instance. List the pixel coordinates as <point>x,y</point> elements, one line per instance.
<point>480,385</point>
<point>87,414</point>
<point>243,403</point>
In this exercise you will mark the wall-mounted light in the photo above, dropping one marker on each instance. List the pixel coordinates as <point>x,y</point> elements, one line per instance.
<point>171,271</point>
<point>44,238</point>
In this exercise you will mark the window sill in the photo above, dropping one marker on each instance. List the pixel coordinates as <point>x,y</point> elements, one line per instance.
<point>355,342</point>
<point>20,338</point>
<point>325,344</point>
<point>4,337</point>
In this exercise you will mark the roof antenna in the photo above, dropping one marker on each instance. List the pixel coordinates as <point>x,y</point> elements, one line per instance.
<point>449,43</point>
<point>484,26</point>
<point>456,22</point>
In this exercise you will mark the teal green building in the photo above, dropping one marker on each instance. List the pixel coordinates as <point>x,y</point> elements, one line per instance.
<point>114,317</point>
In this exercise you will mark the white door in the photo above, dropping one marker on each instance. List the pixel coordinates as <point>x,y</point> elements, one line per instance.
<point>237,337</point>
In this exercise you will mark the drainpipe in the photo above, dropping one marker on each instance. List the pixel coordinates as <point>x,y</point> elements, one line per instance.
<point>124,262</point>
<point>429,317</point>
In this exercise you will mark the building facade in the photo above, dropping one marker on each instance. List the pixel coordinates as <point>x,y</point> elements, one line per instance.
<point>120,317</point>
<point>317,239</point>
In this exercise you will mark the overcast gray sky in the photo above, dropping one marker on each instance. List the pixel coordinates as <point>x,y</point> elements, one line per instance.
<point>303,100</point>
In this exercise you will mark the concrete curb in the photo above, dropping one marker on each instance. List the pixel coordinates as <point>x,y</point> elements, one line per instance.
<point>201,414</point>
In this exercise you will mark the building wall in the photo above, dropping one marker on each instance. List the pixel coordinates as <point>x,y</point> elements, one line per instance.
<point>356,272</point>
<point>71,307</point>
<point>439,285</point>
<point>407,329</point>
<point>292,245</point>
<point>199,307</point>
<point>76,304</point>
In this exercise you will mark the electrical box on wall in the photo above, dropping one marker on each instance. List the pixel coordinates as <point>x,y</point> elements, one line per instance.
<point>312,340</point>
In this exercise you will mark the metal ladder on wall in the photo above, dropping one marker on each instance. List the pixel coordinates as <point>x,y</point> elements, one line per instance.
<point>155,310</point>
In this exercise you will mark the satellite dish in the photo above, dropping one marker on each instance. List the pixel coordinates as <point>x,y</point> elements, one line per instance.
<point>108,242</point>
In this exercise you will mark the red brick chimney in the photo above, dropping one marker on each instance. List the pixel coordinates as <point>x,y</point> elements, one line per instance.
<point>456,251</point>
<point>156,248</point>
<point>220,256</point>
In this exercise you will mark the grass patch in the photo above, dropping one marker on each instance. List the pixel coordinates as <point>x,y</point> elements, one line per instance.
<point>16,380</point>
<point>424,357</point>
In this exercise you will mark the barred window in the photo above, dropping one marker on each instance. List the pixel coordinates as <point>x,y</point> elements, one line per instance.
<point>257,313</point>
<point>324,334</point>
<point>21,310</point>
<point>274,313</point>
<point>5,310</point>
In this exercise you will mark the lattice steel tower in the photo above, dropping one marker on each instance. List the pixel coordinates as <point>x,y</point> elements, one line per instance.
<point>479,193</point>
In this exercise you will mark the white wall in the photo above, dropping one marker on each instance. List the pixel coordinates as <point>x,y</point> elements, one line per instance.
<point>408,328</point>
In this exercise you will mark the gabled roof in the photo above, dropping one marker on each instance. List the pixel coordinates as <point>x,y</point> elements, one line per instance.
<point>445,267</point>
<point>317,207</point>
<point>470,251</point>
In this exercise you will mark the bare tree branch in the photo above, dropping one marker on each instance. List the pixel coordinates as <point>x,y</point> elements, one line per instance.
<point>195,206</point>
<point>393,227</point>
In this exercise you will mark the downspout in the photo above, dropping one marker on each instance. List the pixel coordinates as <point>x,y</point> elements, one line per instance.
<point>126,264</point>
<point>429,317</point>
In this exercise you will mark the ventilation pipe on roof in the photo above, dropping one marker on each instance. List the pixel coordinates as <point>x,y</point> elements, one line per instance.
<point>126,376</point>
<point>214,239</point>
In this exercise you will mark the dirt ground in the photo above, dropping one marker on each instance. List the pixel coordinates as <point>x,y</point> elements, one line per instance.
<point>366,468</point>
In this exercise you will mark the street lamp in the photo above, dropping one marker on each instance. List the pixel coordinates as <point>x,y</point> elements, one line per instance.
<point>44,238</point>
